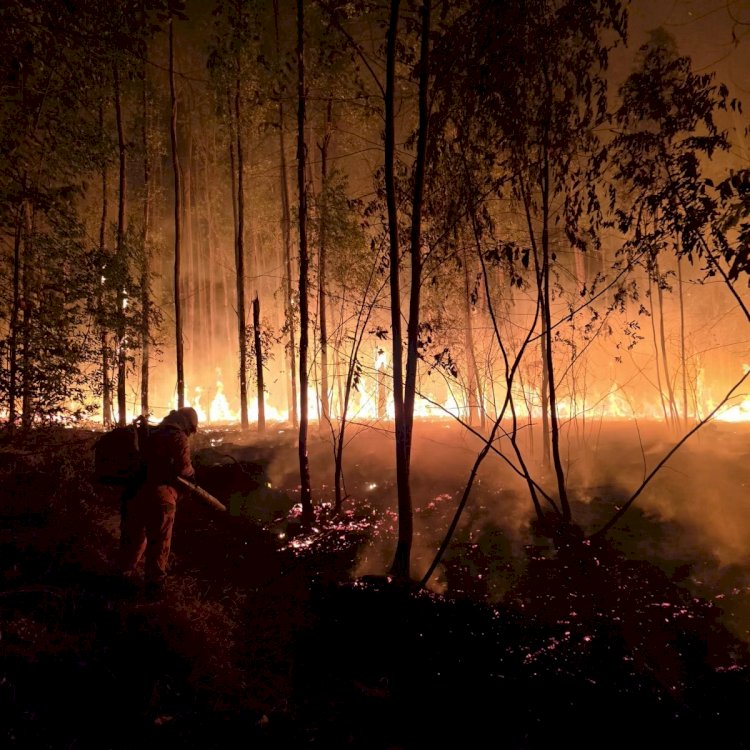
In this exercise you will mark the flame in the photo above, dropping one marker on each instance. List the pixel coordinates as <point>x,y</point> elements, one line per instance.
<point>372,401</point>
<point>219,410</point>
<point>736,413</point>
<point>271,414</point>
<point>197,404</point>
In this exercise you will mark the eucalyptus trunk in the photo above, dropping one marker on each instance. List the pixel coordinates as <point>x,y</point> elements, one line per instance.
<point>322,296</point>
<point>146,259</point>
<point>683,351</point>
<point>546,311</point>
<point>673,414</point>
<point>103,331</point>
<point>304,462</point>
<point>121,255</point>
<point>654,338</point>
<point>204,263</point>
<point>476,406</point>
<point>190,275</point>
<point>259,365</point>
<point>27,265</point>
<point>406,391</point>
<point>400,566</point>
<point>544,397</point>
<point>15,308</point>
<point>239,260</point>
<point>212,280</point>
<point>233,183</point>
<point>179,353</point>
<point>286,230</point>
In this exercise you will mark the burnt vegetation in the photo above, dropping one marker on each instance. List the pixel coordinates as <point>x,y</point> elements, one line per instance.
<point>283,638</point>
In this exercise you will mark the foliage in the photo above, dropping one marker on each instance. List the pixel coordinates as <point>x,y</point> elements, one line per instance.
<point>348,267</point>
<point>58,348</point>
<point>236,64</point>
<point>268,340</point>
<point>667,134</point>
<point>58,68</point>
<point>732,231</point>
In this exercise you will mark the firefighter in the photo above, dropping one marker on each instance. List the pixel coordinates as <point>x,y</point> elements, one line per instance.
<point>147,525</point>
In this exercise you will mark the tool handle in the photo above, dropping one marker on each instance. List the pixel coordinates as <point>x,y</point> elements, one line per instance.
<point>202,494</point>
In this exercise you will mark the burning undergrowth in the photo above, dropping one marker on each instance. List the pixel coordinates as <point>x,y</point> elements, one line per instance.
<point>690,522</point>
<point>652,621</point>
<point>297,637</point>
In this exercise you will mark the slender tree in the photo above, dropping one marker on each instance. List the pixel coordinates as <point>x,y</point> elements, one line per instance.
<point>177,282</point>
<point>120,252</point>
<point>240,245</point>
<point>304,462</point>
<point>401,562</point>
<point>404,382</point>
<point>286,233</point>
<point>259,365</point>
<point>145,280</point>
<point>101,292</point>
<point>14,322</point>
<point>476,405</point>
<point>322,296</point>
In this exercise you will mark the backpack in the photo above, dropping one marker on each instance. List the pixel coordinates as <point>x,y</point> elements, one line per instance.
<point>118,453</point>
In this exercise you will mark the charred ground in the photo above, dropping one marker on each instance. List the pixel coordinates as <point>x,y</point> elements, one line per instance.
<point>271,639</point>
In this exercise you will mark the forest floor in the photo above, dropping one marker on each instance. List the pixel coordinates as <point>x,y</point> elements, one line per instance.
<point>268,638</point>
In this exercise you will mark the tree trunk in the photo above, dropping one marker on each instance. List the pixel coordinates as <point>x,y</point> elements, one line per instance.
<point>286,230</point>
<point>15,309</point>
<point>286,223</point>
<point>683,353</point>
<point>27,375</point>
<point>656,349</point>
<point>121,257</point>
<point>146,260</point>
<point>546,309</point>
<point>304,464</point>
<point>190,319</point>
<point>259,365</point>
<point>344,396</point>
<point>544,397</point>
<point>400,567</point>
<point>102,303</point>
<point>204,264</point>
<point>476,406</point>
<point>324,389</point>
<point>211,280</point>
<point>673,416</point>
<point>233,181</point>
<point>177,226</point>
<point>240,252</point>
<point>337,367</point>
<point>382,394</point>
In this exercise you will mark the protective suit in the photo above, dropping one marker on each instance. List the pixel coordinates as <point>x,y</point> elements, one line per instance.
<point>148,521</point>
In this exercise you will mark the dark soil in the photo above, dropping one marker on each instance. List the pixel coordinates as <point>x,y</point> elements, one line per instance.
<point>268,638</point>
